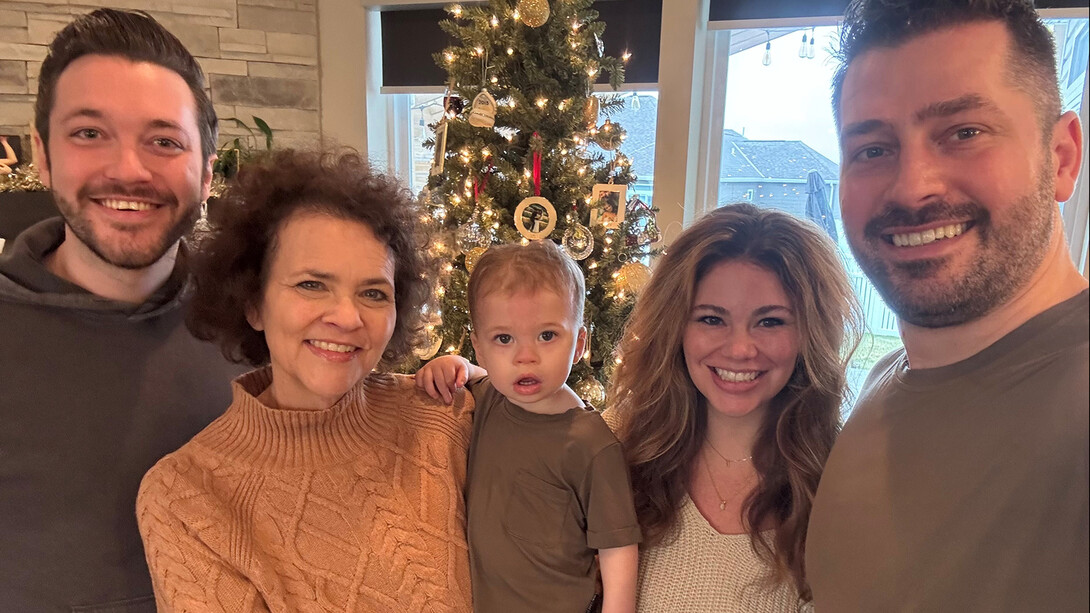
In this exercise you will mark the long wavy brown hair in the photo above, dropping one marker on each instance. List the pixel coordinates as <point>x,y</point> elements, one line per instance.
<point>661,417</point>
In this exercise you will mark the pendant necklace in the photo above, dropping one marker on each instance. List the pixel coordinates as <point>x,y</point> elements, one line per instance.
<point>722,501</point>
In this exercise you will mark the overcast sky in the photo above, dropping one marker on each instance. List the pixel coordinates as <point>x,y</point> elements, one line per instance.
<point>787,100</point>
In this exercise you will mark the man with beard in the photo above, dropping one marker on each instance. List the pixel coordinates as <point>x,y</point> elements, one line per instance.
<point>960,481</point>
<point>100,376</point>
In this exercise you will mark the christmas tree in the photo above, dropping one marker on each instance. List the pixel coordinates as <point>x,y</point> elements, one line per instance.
<point>520,155</point>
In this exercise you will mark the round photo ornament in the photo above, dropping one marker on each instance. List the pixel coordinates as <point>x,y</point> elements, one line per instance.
<point>535,218</point>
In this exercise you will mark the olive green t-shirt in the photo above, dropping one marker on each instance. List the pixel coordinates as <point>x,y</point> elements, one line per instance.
<point>544,493</point>
<point>963,488</point>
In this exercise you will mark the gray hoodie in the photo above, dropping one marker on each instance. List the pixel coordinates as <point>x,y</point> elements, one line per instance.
<point>92,393</point>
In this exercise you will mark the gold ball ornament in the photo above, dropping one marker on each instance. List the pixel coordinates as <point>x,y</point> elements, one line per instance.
<point>633,277</point>
<point>591,391</point>
<point>533,13</point>
<point>610,136</point>
<point>472,257</point>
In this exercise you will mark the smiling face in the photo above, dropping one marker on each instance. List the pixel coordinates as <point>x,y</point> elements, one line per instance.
<point>327,309</point>
<point>124,158</point>
<point>742,339</point>
<point>528,341</point>
<point>947,183</point>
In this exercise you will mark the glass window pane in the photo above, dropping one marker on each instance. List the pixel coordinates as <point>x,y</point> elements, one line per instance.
<point>638,117</point>
<point>1072,45</point>
<point>1072,48</point>
<point>424,111</point>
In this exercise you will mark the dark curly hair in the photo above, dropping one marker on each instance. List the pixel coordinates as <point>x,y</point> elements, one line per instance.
<point>231,263</point>
<point>870,24</point>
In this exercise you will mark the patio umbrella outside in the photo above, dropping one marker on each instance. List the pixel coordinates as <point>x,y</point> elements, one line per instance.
<point>817,204</point>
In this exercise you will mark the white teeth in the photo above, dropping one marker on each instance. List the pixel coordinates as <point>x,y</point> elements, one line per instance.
<point>333,347</point>
<point>126,205</point>
<point>912,239</point>
<point>736,377</point>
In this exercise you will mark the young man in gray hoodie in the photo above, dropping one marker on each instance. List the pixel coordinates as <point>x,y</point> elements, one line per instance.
<point>99,377</point>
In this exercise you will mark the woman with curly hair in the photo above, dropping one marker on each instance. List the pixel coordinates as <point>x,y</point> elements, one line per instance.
<point>728,411</point>
<point>328,483</point>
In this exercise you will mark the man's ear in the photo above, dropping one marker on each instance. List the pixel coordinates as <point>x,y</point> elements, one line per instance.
<point>253,317</point>
<point>41,159</point>
<point>580,345</point>
<point>1066,151</point>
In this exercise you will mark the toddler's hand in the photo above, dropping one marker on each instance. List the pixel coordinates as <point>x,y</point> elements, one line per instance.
<point>443,376</point>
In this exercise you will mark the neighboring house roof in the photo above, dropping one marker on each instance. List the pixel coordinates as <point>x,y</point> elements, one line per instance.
<point>741,157</point>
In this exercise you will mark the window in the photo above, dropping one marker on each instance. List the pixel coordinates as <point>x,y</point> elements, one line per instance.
<point>422,110</point>
<point>425,111</point>
<point>638,117</point>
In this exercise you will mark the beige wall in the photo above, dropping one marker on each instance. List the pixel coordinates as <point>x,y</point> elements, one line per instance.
<point>260,57</point>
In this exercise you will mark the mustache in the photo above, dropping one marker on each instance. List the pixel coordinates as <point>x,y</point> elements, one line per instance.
<point>894,215</point>
<point>116,188</point>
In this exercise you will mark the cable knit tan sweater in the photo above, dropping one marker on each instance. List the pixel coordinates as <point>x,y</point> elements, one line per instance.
<point>355,508</point>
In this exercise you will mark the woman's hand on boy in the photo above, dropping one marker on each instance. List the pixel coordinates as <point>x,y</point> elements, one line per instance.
<point>444,375</point>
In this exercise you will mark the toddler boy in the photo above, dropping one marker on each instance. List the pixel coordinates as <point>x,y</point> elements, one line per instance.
<point>547,483</point>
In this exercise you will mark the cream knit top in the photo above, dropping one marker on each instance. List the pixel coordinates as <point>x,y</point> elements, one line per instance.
<point>355,508</point>
<point>703,571</point>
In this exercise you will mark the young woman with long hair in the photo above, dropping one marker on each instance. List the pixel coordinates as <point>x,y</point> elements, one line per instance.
<point>727,401</point>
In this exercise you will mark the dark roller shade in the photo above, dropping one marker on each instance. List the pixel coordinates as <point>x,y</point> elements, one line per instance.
<point>635,26</point>
<point>411,36</point>
<point>733,10</point>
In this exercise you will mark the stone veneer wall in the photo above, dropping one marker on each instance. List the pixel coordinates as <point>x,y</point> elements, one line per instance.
<point>260,57</point>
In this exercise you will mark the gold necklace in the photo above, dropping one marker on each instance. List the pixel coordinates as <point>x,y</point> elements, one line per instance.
<point>729,462</point>
<point>722,501</point>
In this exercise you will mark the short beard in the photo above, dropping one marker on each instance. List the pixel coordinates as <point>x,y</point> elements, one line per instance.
<point>126,255</point>
<point>925,294</point>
